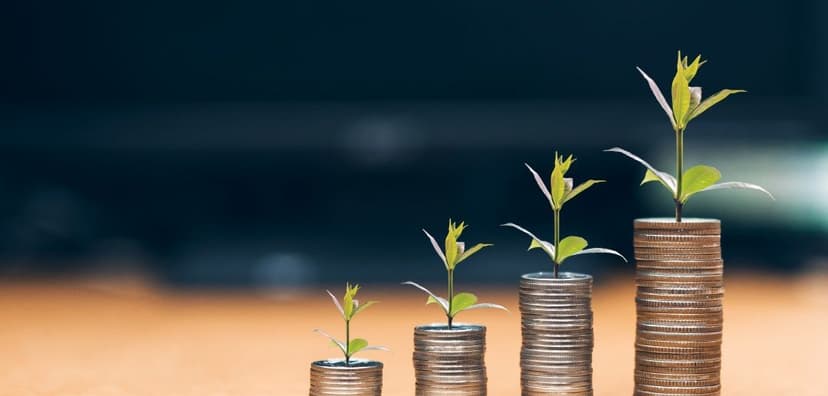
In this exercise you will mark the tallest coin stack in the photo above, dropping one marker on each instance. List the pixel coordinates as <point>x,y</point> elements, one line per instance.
<point>679,294</point>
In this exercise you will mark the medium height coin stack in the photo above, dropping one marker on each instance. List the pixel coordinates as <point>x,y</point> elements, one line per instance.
<point>556,324</point>
<point>450,362</point>
<point>679,294</point>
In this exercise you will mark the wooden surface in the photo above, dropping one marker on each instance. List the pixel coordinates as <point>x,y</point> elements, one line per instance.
<point>105,338</point>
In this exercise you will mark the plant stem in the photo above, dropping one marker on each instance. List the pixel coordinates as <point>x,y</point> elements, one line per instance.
<point>679,171</point>
<point>347,342</point>
<point>557,213</point>
<point>450,295</point>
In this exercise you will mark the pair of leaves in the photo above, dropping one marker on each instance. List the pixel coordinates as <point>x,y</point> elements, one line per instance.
<point>696,179</point>
<point>455,251</point>
<point>686,100</point>
<point>354,346</point>
<point>560,189</point>
<point>350,306</point>
<point>461,301</point>
<point>567,247</point>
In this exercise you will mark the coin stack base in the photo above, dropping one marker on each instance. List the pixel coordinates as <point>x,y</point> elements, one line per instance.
<point>679,290</point>
<point>450,361</point>
<point>334,378</point>
<point>556,325</point>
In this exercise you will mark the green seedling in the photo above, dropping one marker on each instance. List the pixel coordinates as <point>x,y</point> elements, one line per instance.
<point>349,308</point>
<point>559,192</point>
<point>455,253</point>
<point>686,106</point>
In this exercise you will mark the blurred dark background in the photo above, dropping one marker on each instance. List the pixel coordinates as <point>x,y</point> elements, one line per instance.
<point>288,143</point>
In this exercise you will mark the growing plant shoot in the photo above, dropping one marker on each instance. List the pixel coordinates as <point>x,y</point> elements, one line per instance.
<point>455,252</point>
<point>686,106</point>
<point>349,308</point>
<point>559,192</point>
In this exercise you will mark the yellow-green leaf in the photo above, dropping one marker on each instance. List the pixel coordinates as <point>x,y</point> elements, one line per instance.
<point>356,345</point>
<point>348,300</point>
<point>697,179</point>
<point>556,184</point>
<point>649,176</point>
<point>681,96</point>
<point>581,188</point>
<point>462,301</point>
<point>468,253</point>
<point>362,307</point>
<point>691,70</point>
<point>452,248</point>
<point>569,246</point>
<point>711,101</point>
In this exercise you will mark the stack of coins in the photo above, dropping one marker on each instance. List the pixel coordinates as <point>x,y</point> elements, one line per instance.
<point>333,377</point>
<point>450,361</point>
<point>556,323</point>
<point>679,307</point>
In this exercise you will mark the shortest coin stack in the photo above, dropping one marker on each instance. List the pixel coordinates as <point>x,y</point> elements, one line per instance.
<point>679,307</point>
<point>450,361</point>
<point>556,323</point>
<point>333,378</point>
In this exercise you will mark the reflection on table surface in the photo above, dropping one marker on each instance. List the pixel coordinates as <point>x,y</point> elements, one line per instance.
<point>125,338</point>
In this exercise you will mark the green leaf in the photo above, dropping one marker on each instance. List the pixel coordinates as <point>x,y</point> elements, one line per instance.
<point>581,188</point>
<point>649,176</point>
<point>432,297</point>
<point>473,250</point>
<point>337,304</point>
<point>462,301</point>
<point>738,185</point>
<point>556,184</point>
<point>339,344</point>
<point>451,247</point>
<point>681,96</point>
<point>691,70</point>
<point>348,300</point>
<point>569,246</point>
<point>436,248</point>
<point>540,184</point>
<point>599,251</point>
<point>659,96</point>
<point>667,180</point>
<point>362,307</point>
<point>711,101</point>
<point>487,305</point>
<point>536,242</point>
<point>698,178</point>
<point>356,345</point>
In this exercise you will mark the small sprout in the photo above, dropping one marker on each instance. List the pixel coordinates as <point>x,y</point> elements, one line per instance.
<point>686,106</point>
<point>453,253</point>
<point>349,308</point>
<point>559,192</point>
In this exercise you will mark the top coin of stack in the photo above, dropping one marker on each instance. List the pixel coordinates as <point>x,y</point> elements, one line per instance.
<point>679,294</point>
<point>334,378</point>
<point>450,361</point>
<point>556,324</point>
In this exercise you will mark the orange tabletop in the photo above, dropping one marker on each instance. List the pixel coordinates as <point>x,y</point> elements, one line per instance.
<point>125,338</point>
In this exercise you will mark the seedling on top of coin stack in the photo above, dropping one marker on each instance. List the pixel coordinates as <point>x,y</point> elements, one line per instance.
<point>686,106</point>
<point>455,253</point>
<point>559,192</point>
<point>349,308</point>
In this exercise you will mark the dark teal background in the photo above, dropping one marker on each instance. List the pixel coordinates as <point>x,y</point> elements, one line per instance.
<point>293,142</point>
